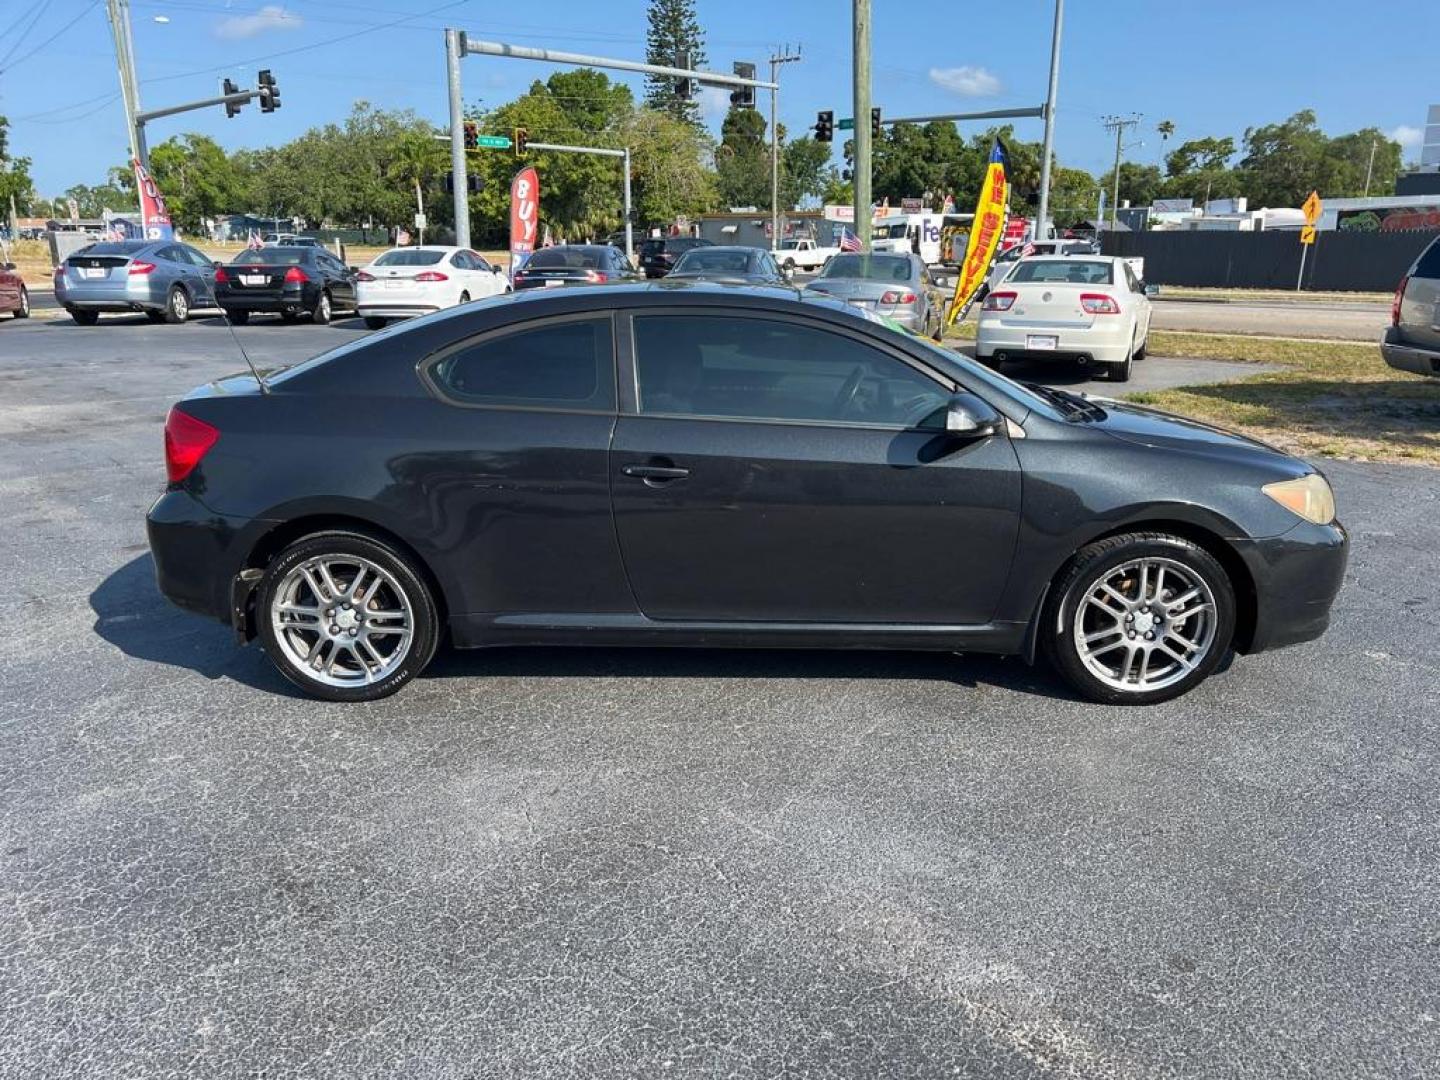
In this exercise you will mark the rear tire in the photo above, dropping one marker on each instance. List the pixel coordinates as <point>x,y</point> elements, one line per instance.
<point>23,311</point>
<point>1140,352</point>
<point>155,316</point>
<point>1119,372</point>
<point>376,322</point>
<point>85,318</point>
<point>361,644</point>
<point>177,306</point>
<point>1171,588</point>
<point>239,318</point>
<point>320,316</point>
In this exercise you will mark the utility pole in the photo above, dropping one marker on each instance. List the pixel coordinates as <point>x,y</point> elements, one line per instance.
<point>454,50</point>
<point>1043,210</point>
<point>786,57</point>
<point>118,12</point>
<point>862,122</point>
<point>1117,125</point>
<point>1371,167</point>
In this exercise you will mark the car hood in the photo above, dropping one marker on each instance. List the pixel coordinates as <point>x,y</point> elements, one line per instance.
<point>1150,427</point>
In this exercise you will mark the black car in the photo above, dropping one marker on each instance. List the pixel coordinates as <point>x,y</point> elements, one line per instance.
<point>732,265</point>
<point>575,264</point>
<point>709,465</point>
<point>288,281</point>
<point>658,255</point>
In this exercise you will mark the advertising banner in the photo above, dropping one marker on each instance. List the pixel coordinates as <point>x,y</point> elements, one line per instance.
<point>524,215</point>
<point>154,217</point>
<point>985,233</point>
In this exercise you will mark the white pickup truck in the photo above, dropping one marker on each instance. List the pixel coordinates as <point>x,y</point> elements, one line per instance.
<point>802,255</point>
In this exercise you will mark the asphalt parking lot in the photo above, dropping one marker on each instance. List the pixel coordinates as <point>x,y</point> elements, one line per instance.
<point>651,863</point>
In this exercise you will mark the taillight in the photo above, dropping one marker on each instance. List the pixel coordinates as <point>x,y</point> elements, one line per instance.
<point>893,297</point>
<point>295,276</point>
<point>595,275</point>
<point>220,276</point>
<point>1099,304</point>
<point>999,301</point>
<point>1399,299</point>
<point>431,275</point>
<point>186,442</point>
<point>141,268</point>
<point>363,276</point>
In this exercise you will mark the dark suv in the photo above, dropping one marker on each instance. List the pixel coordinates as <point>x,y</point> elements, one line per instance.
<point>1412,341</point>
<point>659,256</point>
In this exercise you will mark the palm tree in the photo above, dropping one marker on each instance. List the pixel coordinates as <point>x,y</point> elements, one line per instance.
<point>417,159</point>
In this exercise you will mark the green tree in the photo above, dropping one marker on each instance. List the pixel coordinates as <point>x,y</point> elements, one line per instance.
<point>415,161</point>
<point>673,31</point>
<point>15,179</point>
<point>742,160</point>
<point>1139,184</point>
<point>805,170</point>
<point>197,178</point>
<point>667,162</point>
<point>1284,162</point>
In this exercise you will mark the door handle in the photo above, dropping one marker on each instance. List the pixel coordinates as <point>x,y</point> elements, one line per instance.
<point>655,474</point>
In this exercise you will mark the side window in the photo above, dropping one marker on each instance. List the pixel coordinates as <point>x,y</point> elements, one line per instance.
<point>1428,265</point>
<point>196,257</point>
<point>477,262</point>
<point>171,253</point>
<point>461,261</point>
<point>564,365</point>
<point>763,369</point>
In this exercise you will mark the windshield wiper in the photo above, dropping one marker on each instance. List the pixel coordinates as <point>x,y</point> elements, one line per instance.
<point>1070,404</point>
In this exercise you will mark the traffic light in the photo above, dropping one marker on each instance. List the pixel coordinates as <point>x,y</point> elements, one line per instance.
<point>743,97</point>
<point>269,91</point>
<point>825,125</point>
<point>684,88</point>
<point>232,108</point>
<point>472,135</point>
<point>522,140</point>
<point>875,122</point>
<point>474,184</point>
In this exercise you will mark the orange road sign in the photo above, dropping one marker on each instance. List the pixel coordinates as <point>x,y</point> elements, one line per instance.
<point>1307,234</point>
<point>1312,208</point>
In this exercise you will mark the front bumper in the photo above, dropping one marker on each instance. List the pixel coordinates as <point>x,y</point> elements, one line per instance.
<point>1095,344</point>
<point>1297,576</point>
<point>1404,357</point>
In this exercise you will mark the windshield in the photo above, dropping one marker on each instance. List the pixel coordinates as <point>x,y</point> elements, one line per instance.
<point>566,258</point>
<point>896,231</point>
<point>868,267</point>
<point>274,256</point>
<point>1061,271</point>
<point>410,257</point>
<point>709,261</point>
<point>123,247</point>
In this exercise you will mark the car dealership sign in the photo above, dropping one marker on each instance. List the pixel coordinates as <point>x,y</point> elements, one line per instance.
<point>524,211</point>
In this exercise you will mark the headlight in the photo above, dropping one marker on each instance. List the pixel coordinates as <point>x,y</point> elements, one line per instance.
<point>1309,496</point>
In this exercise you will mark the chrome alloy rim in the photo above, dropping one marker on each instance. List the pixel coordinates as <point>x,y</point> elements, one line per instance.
<point>180,305</point>
<point>342,620</point>
<point>1145,625</point>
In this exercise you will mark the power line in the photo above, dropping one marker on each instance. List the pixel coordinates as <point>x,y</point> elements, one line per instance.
<point>1118,125</point>
<point>37,13</point>
<point>38,48</point>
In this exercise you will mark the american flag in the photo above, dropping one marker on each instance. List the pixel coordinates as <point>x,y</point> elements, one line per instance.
<point>848,240</point>
<point>254,243</point>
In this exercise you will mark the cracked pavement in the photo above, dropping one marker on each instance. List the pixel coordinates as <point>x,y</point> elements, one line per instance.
<point>649,863</point>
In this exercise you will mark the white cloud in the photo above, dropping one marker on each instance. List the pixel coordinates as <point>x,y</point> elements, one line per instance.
<point>714,102</point>
<point>1406,135</point>
<point>269,17</point>
<point>966,81</point>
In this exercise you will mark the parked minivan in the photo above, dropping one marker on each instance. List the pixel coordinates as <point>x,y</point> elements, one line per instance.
<point>1412,341</point>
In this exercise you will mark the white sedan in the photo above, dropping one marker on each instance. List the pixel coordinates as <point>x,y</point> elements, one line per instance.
<point>1087,308</point>
<point>409,281</point>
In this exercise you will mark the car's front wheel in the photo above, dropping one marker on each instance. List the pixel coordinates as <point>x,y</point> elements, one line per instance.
<point>346,617</point>
<point>23,311</point>
<point>1139,618</point>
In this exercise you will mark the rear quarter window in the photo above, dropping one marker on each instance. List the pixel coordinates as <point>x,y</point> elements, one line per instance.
<point>1428,265</point>
<point>566,365</point>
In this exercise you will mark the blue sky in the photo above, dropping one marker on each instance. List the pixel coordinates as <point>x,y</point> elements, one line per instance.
<point>1212,68</point>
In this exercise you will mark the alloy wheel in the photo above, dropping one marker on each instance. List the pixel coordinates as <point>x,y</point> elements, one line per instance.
<point>343,620</point>
<point>179,306</point>
<point>1145,625</point>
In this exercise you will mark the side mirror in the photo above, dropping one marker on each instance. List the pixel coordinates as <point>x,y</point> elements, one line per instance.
<point>1150,290</point>
<point>218,265</point>
<point>971,417</point>
<point>497,270</point>
<point>353,269</point>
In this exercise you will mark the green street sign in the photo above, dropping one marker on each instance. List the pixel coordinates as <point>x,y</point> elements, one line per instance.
<point>493,142</point>
<point>848,124</point>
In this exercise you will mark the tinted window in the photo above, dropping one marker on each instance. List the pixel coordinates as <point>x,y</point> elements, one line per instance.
<point>1072,271</point>
<point>271,256</point>
<point>1429,264</point>
<point>477,262</point>
<point>705,365</point>
<point>713,261</point>
<point>869,267</point>
<point>567,365</point>
<point>114,247</point>
<point>568,258</point>
<point>410,257</point>
<point>199,258</point>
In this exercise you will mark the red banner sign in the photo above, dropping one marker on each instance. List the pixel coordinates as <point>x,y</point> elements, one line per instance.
<point>154,217</point>
<point>524,211</point>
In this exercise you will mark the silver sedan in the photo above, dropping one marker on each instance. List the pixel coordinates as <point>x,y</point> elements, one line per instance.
<point>896,286</point>
<point>163,278</point>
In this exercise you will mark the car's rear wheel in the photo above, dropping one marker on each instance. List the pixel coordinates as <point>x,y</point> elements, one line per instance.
<point>85,318</point>
<point>1120,372</point>
<point>289,316</point>
<point>322,311</point>
<point>177,305</point>
<point>154,316</point>
<point>1139,618</point>
<point>346,617</point>
<point>23,311</point>
<point>1140,352</point>
<point>375,322</point>
<point>239,318</point>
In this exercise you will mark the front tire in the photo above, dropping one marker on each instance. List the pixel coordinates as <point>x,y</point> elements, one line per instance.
<point>346,617</point>
<point>376,322</point>
<point>177,306</point>
<point>1138,618</point>
<point>464,298</point>
<point>23,311</point>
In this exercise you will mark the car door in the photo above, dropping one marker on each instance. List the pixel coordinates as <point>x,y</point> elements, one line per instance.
<point>517,478</point>
<point>1140,301</point>
<point>203,281</point>
<point>767,468</point>
<point>175,267</point>
<point>338,277</point>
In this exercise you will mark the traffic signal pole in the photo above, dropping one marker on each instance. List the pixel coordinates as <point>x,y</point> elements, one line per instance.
<point>861,133</point>
<point>454,50</point>
<point>561,148</point>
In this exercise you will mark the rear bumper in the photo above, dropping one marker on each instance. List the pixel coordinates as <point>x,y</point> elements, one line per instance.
<point>137,294</point>
<point>1100,345</point>
<point>395,311</point>
<point>198,553</point>
<point>293,298</point>
<point>1297,576</point>
<point>1403,357</point>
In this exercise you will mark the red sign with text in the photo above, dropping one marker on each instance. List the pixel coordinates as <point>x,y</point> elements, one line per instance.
<point>524,211</point>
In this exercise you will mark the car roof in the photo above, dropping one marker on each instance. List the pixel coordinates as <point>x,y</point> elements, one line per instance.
<point>1070,259</point>
<point>733,247</point>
